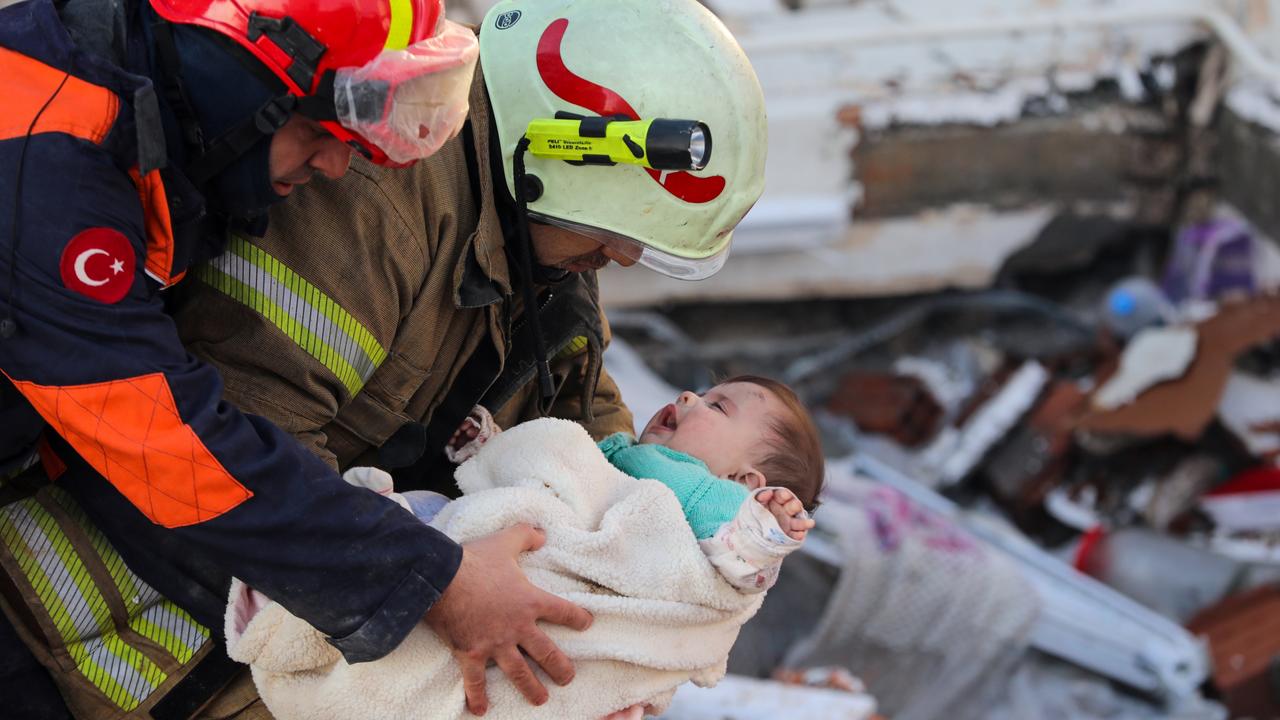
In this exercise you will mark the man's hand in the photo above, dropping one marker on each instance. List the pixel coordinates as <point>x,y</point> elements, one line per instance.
<point>786,508</point>
<point>490,611</point>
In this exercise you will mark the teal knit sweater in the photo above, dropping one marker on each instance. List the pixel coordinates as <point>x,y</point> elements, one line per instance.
<point>708,501</point>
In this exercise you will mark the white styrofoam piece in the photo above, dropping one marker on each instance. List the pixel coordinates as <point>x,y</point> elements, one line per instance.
<point>992,422</point>
<point>1248,401</point>
<point>1243,511</point>
<point>1151,357</point>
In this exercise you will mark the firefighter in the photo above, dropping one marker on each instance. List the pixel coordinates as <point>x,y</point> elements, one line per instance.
<point>380,308</point>
<point>133,135</point>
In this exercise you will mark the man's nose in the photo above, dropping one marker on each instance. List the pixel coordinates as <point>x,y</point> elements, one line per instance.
<point>620,258</point>
<point>332,159</point>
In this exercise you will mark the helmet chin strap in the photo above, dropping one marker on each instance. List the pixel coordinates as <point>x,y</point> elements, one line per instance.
<point>545,384</point>
<point>209,157</point>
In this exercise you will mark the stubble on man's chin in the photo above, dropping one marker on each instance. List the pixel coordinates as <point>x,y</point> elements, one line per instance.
<point>584,263</point>
<point>291,181</point>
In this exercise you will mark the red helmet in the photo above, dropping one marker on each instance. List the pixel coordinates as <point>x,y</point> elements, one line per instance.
<point>379,49</point>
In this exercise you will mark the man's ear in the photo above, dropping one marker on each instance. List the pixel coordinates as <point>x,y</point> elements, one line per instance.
<point>749,476</point>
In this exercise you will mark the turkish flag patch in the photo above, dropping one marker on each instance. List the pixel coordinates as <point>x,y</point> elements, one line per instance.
<point>99,263</point>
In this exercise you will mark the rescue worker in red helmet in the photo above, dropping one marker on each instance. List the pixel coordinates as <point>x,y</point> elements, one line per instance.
<point>132,136</point>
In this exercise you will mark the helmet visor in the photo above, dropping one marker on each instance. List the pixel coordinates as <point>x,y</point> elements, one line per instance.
<point>680,268</point>
<point>410,102</point>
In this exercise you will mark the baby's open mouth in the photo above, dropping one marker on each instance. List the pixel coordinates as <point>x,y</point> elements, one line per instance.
<point>667,418</point>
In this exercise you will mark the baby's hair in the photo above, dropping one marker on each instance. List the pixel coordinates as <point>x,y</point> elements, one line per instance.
<point>795,459</point>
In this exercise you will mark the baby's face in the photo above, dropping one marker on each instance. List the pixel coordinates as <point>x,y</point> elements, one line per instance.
<point>725,428</point>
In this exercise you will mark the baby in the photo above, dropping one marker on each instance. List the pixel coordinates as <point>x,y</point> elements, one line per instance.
<point>747,437</point>
<point>740,463</point>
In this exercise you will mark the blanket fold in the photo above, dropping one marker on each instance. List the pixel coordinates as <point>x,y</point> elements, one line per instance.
<point>617,546</point>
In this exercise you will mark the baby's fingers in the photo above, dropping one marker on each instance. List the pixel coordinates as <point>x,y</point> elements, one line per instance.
<point>793,506</point>
<point>799,528</point>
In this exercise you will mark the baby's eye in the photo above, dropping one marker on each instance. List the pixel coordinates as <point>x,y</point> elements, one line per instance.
<point>718,406</point>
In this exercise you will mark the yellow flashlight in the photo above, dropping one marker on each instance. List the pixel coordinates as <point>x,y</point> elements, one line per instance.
<point>657,143</point>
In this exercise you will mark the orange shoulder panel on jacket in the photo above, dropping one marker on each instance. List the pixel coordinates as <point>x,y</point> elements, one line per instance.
<point>130,432</point>
<point>81,109</point>
<point>155,207</point>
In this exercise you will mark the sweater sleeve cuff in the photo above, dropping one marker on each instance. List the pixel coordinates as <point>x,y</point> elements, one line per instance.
<point>402,610</point>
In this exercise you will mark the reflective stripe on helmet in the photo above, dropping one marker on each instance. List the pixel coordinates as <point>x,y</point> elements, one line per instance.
<point>303,43</point>
<point>401,24</point>
<point>299,309</point>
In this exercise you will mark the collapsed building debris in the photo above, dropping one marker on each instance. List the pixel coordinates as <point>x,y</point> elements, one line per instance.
<point>1080,619</point>
<point>959,450</point>
<point>1249,501</point>
<point>1186,406</point>
<point>958,412</point>
<point>1250,410</point>
<point>1243,633</point>
<point>925,614</point>
<point>1035,456</point>
<point>1154,355</point>
<point>899,406</point>
<point>1110,388</point>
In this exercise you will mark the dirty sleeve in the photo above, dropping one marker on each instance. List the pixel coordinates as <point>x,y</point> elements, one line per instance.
<point>97,357</point>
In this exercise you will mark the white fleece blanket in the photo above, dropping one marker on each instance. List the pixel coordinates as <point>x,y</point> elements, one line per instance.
<point>617,546</point>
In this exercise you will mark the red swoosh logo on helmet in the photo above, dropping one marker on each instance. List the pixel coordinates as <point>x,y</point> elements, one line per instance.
<point>603,101</point>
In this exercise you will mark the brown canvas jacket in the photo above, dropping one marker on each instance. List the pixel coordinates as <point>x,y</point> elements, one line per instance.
<point>416,263</point>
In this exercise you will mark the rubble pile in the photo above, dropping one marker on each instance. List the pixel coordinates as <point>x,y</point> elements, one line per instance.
<point>1145,454</point>
<point>1025,480</point>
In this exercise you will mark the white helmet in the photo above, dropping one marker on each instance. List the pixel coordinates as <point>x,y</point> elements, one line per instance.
<point>638,60</point>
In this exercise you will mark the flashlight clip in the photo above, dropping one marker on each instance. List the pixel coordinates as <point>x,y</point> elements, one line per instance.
<point>654,143</point>
<point>597,126</point>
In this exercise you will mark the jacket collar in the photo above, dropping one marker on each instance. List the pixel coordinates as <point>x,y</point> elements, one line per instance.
<point>482,276</point>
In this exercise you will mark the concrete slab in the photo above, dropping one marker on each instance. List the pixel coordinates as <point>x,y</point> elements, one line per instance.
<point>961,246</point>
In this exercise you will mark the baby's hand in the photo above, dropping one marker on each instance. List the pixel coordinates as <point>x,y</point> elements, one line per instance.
<point>464,434</point>
<point>786,508</point>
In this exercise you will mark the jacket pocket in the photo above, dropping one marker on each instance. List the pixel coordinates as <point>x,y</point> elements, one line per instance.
<point>377,411</point>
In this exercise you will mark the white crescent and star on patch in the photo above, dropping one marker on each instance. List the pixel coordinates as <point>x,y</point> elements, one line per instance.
<point>99,263</point>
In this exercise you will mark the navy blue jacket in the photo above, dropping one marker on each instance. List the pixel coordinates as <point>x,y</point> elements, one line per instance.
<point>189,489</point>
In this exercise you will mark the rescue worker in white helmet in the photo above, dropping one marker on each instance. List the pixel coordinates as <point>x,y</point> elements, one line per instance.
<point>379,309</point>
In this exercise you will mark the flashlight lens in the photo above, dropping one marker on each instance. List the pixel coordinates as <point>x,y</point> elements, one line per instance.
<point>698,148</point>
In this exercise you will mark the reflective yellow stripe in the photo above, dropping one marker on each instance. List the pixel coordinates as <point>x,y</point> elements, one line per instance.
<point>573,347</point>
<point>120,574</point>
<point>401,24</point>
<point>30,548</point>
<point>170,627</point>
<point>150,614</point>
<point>149,676</point>
<point>310,318</point>
<point>25,555</point>
<point>315,346</point>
